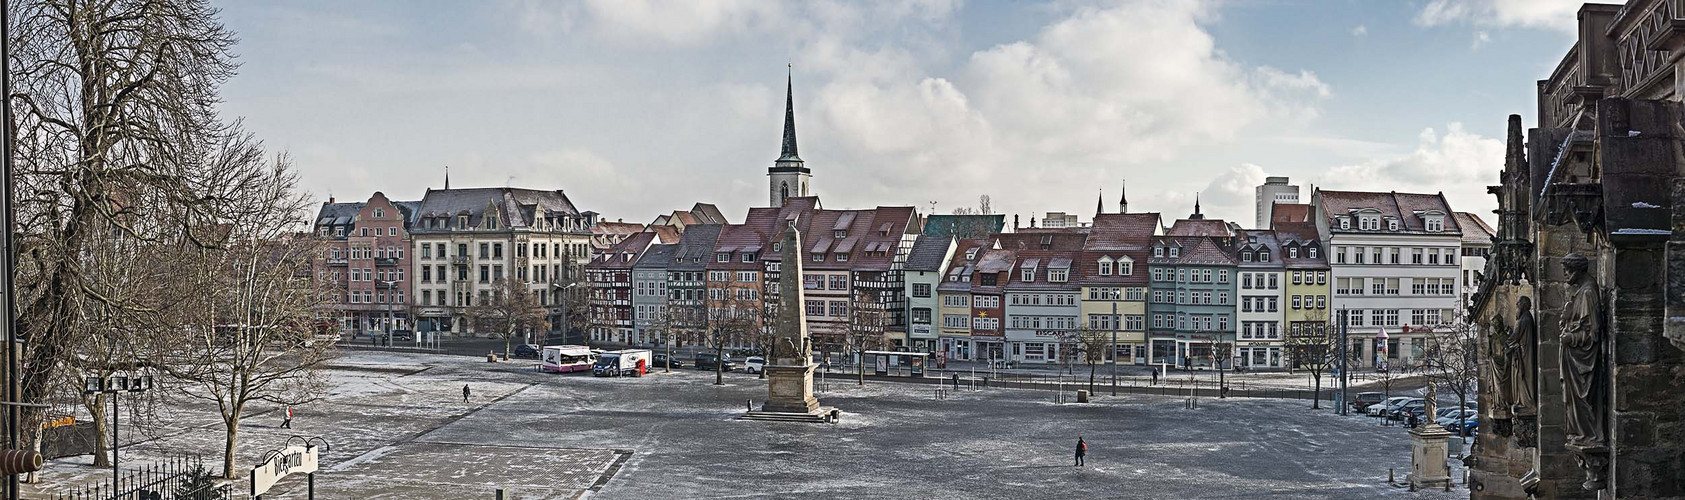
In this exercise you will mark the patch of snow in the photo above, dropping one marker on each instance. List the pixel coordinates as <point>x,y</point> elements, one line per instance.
<point>1640,204</point>
<point>1632,133</point>
<point>1636,231</point>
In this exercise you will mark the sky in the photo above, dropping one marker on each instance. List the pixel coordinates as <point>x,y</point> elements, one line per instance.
<point>639,107</point>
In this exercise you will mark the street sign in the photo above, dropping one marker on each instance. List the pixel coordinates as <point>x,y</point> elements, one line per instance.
<point>293,459</point>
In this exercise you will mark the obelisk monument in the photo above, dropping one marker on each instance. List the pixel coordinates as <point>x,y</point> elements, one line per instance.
<point>790,372</point>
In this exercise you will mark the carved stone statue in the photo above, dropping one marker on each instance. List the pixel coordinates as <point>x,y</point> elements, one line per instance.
<point>1523,360</point>
<point>1584,373</point>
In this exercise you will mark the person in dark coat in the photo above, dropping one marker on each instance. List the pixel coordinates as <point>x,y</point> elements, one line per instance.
<point>1082,450</point>
<point>1155,375</point>
<point>464,393</point>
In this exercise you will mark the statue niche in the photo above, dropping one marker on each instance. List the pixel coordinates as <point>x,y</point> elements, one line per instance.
<point>1585,372</point>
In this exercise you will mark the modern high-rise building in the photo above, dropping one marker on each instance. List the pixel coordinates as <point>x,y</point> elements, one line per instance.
<point>1275,190</point>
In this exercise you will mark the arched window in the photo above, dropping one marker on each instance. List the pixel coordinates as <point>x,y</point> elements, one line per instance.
<point>784,191</point>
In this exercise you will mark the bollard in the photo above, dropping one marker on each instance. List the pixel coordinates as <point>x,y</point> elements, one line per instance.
<point>500,495</point>
<point>750,404</point>
<point>1390,479</point>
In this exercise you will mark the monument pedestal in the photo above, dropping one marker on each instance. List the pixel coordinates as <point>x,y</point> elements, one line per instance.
<point>1427,457</point>
<point>790,389</point>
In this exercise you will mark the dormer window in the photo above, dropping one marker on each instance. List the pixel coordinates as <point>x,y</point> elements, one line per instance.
<point>1310,252</point>
<point>462,222</point>
<point>1345,223</point>
<point>1028,274</point>
<point>1175,252</point>
<point>1158,251</point>
<point>1292,252</point>
<point>1105,266</point>
<point>1435,223</point>
<point>839,234</point>
<point>1058,275</point>
<point>818,257</point>
<point>777,246</point>
<point>722,257</point>
<point>1245,256</point>
<point>971,254</point>
<point>1264,256</point>
<point>1369,223</point>
<point>1392,224</point>
<point>1125,267</point>
<point>842,257</point>
<point>748,257</point>
<point>491,222</point>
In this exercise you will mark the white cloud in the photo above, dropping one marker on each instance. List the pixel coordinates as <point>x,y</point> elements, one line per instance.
<point>1457,162</point>
<point>1098,94</point>
<point>1480,38</point>
<point>1542,14</point>
<point>1360,30</point>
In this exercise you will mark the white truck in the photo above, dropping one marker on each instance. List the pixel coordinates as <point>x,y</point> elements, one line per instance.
<point>567,358</point>
<point>633,362</point>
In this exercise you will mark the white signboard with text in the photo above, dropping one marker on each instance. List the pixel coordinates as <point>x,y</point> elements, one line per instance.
<point>291,460</point>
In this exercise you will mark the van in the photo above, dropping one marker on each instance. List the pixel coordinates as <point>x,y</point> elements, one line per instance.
<point>708,361</point>
<point>633,362</point>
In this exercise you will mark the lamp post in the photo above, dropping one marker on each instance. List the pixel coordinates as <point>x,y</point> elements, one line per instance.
<point>1115,325</point>
<point>113,386</point>
<point>562,298</point>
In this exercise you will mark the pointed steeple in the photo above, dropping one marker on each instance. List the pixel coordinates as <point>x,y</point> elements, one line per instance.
<point>1123,198</point>
<point>1100,203</point>
<point>788,153</point>
<point>447,177</point>
<point>1196,215</point>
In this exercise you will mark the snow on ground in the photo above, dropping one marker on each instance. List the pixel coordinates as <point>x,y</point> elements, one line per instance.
<point>399,429</point>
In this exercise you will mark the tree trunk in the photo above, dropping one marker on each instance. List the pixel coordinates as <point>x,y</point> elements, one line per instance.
<point>860,368</point>
<point>1091,377</point>
<point>232,426</point>
<point>719,362</point>
<point>102,433</point>
<point>1316,393</point>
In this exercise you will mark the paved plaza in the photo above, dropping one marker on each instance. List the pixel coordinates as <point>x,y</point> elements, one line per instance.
<point>399,429</point>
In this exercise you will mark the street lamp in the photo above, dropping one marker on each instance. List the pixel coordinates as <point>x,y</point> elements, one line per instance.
<point>562,299</point>
<point>113,386</point>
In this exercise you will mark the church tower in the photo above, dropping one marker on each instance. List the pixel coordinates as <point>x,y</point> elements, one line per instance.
<point>789,175</point>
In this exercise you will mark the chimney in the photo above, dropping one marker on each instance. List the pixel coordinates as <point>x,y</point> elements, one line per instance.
<point>330,199</point>
<point>1014,222</point>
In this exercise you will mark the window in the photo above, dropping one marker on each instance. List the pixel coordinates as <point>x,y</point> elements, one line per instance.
<point>496,250</point>
<point>815,308</point>
<point>1058,275</point>
<point>1296,303</point>
<point>1134,322</point>
<point>1027,274</point>
<point>1246,280</point>
<point>1175,251</point>
<point>1296,277</point>
<point>1435,223</point>
<point>842,257</point>
<point>953,321</point>
<point>839,308</point>
<point>1393,253</point>
<point>1345,223</point>
<point>921,290</point>
<point>1292,252</point>
<point>839,282</point>
<point>747,257</point>
<point>1222,298</point>
<point>1415,256</point>
<point>1311,252</point>
<point>955,300</point>
<point>746,276</point>
<point>1105,267</point>
<point>987,301</point>
<point>1158,251</point>
<point>1126,268</point>
<point>1158,274</point>
<point>1222,276</point>
<point>1340,255</point>
<point>722,256</point>
<point>1275,281</point>
<point>426,273</point>
<point>818,257</point>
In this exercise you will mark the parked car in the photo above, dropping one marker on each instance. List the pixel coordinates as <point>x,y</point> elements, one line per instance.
<point>528,351</point>
<point>660,360</point>
<point>1379,409</point>
<point>708,361</point>
<point>1470,428</point>
<point>1364,399</point>
<point>1449,417</point>
<point>1398,412</point>
<point>754,364</point>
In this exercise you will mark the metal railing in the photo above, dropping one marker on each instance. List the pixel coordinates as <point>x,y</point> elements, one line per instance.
<point>183,478</point>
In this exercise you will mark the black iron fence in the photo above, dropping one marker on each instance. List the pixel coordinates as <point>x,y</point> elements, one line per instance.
<point>183,478</point>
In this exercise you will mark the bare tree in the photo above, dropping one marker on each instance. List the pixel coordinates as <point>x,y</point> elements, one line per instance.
<point>509,310</point>
<point>1452,361</point>
<point>865,330</point>
<point>766,329</point>
<point>665,325</point>
<point>974,222</point>
<point>730,319</point>
<point>1221,354</point>
<point>115,131</point>
<point>1312,349</point>
<point>1095,345</point>
<point>248,306</point>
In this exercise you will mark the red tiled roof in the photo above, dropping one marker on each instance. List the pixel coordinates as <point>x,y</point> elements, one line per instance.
<point>1474,228</point>
<point>1403,206</point>
<point>1290,212</point>
<point>1200,227</point>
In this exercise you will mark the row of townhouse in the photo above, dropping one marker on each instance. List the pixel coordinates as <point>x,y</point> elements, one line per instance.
<point>718,281</point>
<point>1391,266</point>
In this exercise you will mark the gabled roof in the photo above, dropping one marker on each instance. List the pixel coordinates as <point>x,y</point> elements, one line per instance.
<point>928,253</point>
<point>1259,243</point>
<point>1300,236</point>
<point>1407,208</point>
<point>1122,231</point>
<point>1194,250</point>
<point>1474,229</point>
<point>1200,227</point>
<point>949,225</point>
<point>1290,212</point>
<point>658,256</point>
<point>623,254</point>
<point>517,208</point>
<point>696,248</point>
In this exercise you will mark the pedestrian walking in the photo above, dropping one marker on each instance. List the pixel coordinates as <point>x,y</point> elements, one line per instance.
<point>1082,450</point>
<point>287,422</point>
<point>1155,375</point>
<point>464,393</point>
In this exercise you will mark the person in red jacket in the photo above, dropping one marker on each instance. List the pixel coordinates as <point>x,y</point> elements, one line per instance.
<point>1082,450</point>
<point>287,422</point>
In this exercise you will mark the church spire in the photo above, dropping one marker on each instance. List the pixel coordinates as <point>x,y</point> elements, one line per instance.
<point>1196,215</point>
<point>1100,203</point>
<point>447,177</point>
<point>1123,198</point>
<point>788,153</point>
